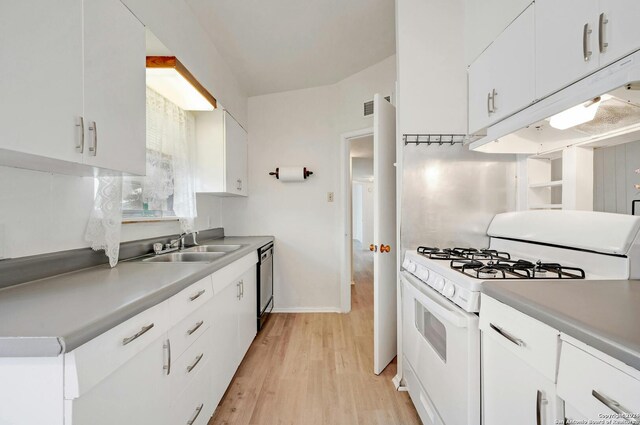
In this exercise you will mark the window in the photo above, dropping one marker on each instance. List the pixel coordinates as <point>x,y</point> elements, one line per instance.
<point>167,190</point>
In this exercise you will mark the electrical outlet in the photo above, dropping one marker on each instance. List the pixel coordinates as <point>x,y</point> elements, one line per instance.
<point>329,196</point>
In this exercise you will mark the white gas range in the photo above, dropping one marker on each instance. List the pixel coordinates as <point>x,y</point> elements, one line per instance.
<point>441,295</point>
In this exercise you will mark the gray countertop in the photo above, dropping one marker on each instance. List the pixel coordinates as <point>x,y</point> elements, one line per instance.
<point>604,314</point>
<point>51,316</point>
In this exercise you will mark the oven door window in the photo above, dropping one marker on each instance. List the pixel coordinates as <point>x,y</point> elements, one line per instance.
<point>432,330</point>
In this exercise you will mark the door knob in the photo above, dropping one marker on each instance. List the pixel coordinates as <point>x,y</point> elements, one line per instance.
<point>385,248</point>
<point>373,248</point>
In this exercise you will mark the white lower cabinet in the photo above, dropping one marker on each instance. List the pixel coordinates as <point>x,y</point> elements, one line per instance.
<point>513,391</point>
<point>136,393</point>
<point>235,323</point>
<point>170,364</point>
<point>595,389</point>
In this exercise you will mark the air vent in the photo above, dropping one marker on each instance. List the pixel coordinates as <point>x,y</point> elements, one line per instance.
<point>368,106</point>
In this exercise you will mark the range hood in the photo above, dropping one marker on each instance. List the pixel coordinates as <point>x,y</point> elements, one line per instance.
<point>602,109</point>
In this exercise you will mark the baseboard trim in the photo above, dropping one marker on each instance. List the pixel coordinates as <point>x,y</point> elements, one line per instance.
<point>307,310</point>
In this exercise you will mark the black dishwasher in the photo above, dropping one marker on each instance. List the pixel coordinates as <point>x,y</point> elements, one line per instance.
<point>265,283</point>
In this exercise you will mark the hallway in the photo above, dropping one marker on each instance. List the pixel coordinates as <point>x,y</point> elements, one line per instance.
<point>317,369</point>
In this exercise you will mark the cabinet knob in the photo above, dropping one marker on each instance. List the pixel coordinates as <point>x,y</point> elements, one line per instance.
<point>373,248</point>
<point>385,248</point>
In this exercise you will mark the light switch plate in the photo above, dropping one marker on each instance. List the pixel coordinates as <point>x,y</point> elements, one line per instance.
<point>329,196</point>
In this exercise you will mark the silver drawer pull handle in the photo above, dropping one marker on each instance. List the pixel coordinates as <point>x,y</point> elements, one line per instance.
<point>196,296</point>
<point>93,148</point>
<point>195,328</point>
<point>516,341</point>
<point>195,415</point>
<point>615,406</point>
<point>195,363</point>
<point>167,346</point>
<point>602,40</point>
<point>586,37</point>
<point>80,145</point>
<point>141,332</point>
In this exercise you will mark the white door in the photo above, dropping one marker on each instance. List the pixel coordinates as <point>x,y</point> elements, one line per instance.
<point>136,393</point>
<point>618,29</point>
<point>41,78</point>
<point>566,42</point>
<point>114,87</point>
<point>502,79</point>
<point>236,156</point>
<point>247,310</point>
<point>513,392</point>
<point>384,233</point>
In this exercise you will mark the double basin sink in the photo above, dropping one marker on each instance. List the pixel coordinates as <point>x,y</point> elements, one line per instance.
<point>196,254</point>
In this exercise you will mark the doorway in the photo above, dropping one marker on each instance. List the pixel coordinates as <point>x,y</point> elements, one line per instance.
<point>362,180</point>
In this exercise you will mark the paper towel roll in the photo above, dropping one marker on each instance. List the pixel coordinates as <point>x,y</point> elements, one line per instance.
<point>291,174</point>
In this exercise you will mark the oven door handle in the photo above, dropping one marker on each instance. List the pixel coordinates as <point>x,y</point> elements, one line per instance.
<point>437,307</point>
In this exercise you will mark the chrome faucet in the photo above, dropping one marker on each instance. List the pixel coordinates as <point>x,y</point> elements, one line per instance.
<point>174,244</point>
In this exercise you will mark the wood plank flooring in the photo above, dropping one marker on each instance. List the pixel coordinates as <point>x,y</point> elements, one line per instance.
<point>317,369</point>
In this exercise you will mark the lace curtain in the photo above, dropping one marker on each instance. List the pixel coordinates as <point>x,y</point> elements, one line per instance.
<point>168,185</point>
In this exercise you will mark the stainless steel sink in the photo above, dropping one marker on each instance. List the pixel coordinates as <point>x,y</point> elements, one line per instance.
<point>214,248</point>
<point>185,257</point>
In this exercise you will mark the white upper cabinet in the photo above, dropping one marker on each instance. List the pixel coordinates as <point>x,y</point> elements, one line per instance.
<point>575,38</point>
<point>41,78</point>
<point>221,154</point>
<point>618,29</point>
<point>485,20</point>
<point>73,87</point>
<point>566,42</point>
<point>114,87</point>
<point>502,80</point>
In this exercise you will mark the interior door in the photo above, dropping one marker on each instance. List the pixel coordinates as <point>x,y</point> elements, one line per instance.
<point>384,233</point>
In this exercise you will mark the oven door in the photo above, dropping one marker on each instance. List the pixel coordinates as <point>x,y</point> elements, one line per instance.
<point>441,342</point>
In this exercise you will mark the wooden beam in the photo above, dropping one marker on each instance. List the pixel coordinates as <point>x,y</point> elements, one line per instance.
<point>173,62</point>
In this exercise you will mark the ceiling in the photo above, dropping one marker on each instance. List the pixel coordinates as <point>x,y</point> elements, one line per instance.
<point>362,147</point>
<point>281,45</point>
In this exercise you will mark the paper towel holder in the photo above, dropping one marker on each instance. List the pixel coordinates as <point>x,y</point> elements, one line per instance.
<point>306,173</point>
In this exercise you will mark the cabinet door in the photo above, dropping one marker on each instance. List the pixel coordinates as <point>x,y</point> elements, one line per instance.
<point>41,77</point>
<point>247,311</point>
<point>502,80</point>
<point>114,82</point>
<point>136,393</point>
<point>236,157</point>
<point>618,32</point>
<point>224,334</point>
<point>512,391</point>
<point>563,44</point>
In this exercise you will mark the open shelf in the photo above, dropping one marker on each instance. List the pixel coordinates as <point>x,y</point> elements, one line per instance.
<point>546,184</point>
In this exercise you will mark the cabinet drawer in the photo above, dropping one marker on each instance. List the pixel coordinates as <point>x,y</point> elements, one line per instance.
<point>590,386</point>
<point>425,407</point>
<point>532,341</point>
<point>189,330</point>
<point>190,299</point>
<point>192,363</point>
<point>92,362</point>
<point>194,406</point>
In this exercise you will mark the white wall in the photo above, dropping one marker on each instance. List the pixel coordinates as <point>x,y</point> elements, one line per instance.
<point>361,168</point>
<point>615,178</point>
<point>367,214</point>
<point>45,212</point>
<point>303,127</point>
<point>356,211</point>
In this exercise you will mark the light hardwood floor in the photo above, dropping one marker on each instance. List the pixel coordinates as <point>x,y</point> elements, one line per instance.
<point>317,369</point>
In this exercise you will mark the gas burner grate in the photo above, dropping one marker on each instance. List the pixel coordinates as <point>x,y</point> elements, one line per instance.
<point>499,268</point>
